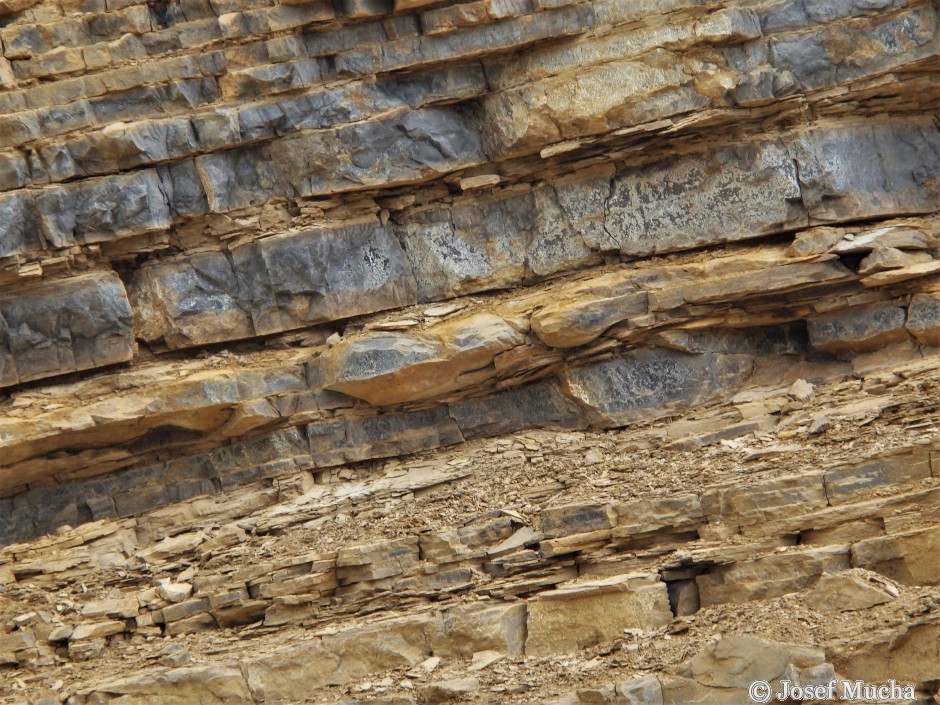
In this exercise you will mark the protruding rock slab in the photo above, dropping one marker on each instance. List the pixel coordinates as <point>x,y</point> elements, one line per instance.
<point>83,212</point>
<point>499,242</point>
<point>906,653</point>
<point>376,561</point>
<point>903,557</point>
<point>737,660</point>
<point>845,593</point>
<point>469,629</point>
<point>454,690</point>
<point>858,329</point>
<point>869,170</point>
<point>293,673</point>
<point>389,368</point>
<point>64,326</point>
<point>655,380</point>
<point>683,203</point>
<point>846,484</point>
<point>770,576</point>
<point>578,616</point>
<point>572,322</point>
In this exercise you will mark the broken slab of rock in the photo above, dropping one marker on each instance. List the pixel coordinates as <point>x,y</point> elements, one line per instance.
<point>376,561</point>
<point>845,593</point>
<point>454,690</point>
<point>581,615</point>
<point>541,405</point>
<point>390,368</point>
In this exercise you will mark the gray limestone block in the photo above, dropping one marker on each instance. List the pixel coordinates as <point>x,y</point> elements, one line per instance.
<point>560,240</point>
<point>146,488</point>
<point>64,326</point>
<point>19,224</point>
<point>399,434</point>
<point>724,195</point>
<point>140,499</point>
<point>540,405</point>
<point>289,443</point>
<point>99,322</point>
<point>145,101</point>
<point>761,342</point>
<point>332,107</point>
<point>192,301</point>
<point>362,438</point>
<point>138,143</point>
<point>880,45</point>
<point>53,162</point>
<point>653,382</point>
<point>99,210</point>
<point>203,132</point>
<point>74,115</point>
<point>923,318</point>
<point>403,147</point>
<point>322,109</point>
<point>344,38</point>
<point>443,83</point>
<point>582,204</point>
<point>265,120</point>
<point>865,171</point>
<point>469,248</point>
<point>858,329</point>
<point>272,285</point>
<point>322,275</point>
<point>446,264</point>
<point>784,15</point>
<point>184,193</point>
<point>101,508</point>
<point>14,170</point>
<point>516,32</point>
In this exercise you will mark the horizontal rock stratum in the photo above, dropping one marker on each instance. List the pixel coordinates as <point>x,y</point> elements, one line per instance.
<point>505,351</point>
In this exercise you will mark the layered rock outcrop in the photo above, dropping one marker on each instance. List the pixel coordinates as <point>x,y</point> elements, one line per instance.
<point>395,333</point>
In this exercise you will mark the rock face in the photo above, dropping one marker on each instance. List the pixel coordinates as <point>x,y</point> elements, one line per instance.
<point>384,333</point>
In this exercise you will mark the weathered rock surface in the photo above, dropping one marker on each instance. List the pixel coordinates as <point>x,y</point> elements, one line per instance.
<point>271,286</point>
<point>399,352</point>
<point>575,617</point>
<point>64,326</point>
